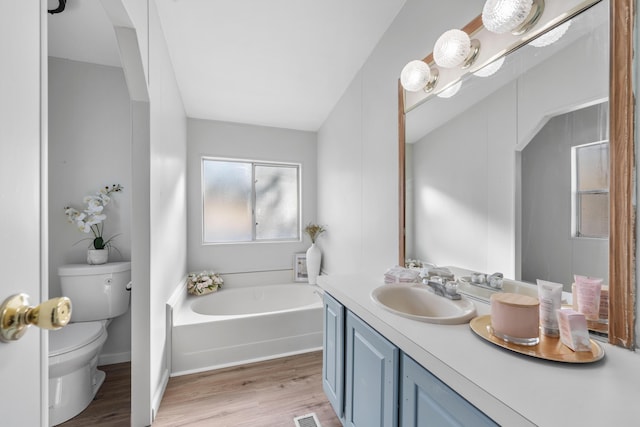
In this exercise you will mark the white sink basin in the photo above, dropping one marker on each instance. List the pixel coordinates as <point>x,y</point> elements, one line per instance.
<point>420,303</point>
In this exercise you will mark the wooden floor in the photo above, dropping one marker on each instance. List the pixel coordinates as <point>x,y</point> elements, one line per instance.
<point>262,394</point>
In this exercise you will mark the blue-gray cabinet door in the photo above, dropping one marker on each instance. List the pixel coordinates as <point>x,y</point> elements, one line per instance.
<point>427,401</point>
<point>371,395</point>
<point>333,354</point>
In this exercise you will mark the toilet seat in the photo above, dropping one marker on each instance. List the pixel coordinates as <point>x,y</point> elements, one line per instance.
<point>74,336</point>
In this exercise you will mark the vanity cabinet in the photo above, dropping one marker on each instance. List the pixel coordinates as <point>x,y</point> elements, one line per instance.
<point>370,383</point>
<point>371,394</point>
<point>427,401</point>
<point>333,354</point>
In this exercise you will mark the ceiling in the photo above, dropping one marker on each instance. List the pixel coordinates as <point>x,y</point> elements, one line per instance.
<point>280,63</point>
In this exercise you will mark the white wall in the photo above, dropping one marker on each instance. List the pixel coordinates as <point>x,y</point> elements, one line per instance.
<point>241,141</point>
<point>464,189</point>
<point>168,208</point>
<point>159,249</point>
<point>357,144</point>
<point>89,148</point>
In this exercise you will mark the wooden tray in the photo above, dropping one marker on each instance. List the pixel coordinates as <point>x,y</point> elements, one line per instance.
<point>548,348</point>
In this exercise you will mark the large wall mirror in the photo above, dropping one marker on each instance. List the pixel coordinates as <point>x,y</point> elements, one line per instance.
<point>529,171</point>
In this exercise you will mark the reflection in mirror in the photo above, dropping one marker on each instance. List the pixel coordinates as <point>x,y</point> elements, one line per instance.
<point>564,203</point>
<point>501,171</point>
<point>489,171</point>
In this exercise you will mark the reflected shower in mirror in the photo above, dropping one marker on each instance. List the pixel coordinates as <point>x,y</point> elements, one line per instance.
<point>490,184</point>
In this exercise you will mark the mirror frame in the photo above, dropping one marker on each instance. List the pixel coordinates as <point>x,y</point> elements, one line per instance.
<point>622,228</point>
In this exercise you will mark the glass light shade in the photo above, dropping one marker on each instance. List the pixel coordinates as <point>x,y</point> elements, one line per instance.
<point>552,36</point>
<point>452,49</point>
<point>491,68</point>
<point>503,16</point>
<point>415,75</point>
<point>450,91</point>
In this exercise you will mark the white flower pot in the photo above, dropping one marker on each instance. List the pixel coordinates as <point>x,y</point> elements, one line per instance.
<point>97,256</point>
<point>314,256</point>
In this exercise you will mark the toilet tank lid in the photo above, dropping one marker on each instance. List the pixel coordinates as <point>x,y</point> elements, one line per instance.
<point>87,269</point>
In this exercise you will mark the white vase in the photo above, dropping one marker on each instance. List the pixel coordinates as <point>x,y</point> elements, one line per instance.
<point>314,256</point>
<point>97,256</point>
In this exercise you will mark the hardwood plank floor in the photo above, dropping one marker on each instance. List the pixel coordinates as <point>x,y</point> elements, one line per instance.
<point>112,405</point>
<point>262,394</point>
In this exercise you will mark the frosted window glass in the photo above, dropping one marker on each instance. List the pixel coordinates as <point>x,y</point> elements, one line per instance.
<point>593,167</point>
<point>227,201</point>
<point>245,201</point>
<point>594,215</point>
<point>276,202</point>
<point>592,190</point>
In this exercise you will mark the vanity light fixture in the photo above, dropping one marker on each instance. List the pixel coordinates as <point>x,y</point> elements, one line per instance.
<point>450,91</point>
<point>551,36</point>
<point>417,75</point>
<point>454,48</point>
<point>491,68</point>
<point>511,16</point>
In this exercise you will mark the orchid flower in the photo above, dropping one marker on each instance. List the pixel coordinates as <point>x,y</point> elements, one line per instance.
<point>91,219</point>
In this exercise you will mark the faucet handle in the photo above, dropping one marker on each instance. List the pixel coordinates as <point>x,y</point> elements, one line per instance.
<point>495,280</point>
<point>451,290</point>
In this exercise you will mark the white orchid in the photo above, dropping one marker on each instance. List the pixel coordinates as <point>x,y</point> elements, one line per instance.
<point>92,218</point>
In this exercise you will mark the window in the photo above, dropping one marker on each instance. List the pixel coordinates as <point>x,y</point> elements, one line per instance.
<point>590,182</point>
<point>246,201</point>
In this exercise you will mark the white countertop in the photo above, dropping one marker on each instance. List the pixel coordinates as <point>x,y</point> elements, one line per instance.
<point>510,388</point>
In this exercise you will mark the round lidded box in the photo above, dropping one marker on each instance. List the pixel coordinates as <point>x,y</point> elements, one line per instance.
<point>515,318</point>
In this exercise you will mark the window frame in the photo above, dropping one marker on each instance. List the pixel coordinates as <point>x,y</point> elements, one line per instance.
<point>576,200</point>
<point>253,163</point>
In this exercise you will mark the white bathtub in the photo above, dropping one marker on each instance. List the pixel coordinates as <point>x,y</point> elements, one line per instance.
<point>240,325</point>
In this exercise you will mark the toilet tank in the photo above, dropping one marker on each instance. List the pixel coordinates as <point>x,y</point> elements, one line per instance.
<point>97,292</point>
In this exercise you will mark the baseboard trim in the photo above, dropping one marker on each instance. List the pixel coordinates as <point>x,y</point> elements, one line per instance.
<point>110,359</point>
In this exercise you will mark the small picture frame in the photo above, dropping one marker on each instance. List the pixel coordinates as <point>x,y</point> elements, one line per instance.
<point>300,267</point>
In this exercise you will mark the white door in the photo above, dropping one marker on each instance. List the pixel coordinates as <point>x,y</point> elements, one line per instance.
<point>23,242</point>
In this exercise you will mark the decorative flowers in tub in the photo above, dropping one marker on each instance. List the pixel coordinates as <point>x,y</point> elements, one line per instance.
<point>91,219</point>
<point>203,283</point>
<point>314,230</point>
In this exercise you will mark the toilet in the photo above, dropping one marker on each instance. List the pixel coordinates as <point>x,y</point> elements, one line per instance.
<point>98,293</point>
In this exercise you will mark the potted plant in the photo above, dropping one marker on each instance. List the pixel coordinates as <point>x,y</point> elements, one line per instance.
<point>314,255</point>
<point>91,220</point>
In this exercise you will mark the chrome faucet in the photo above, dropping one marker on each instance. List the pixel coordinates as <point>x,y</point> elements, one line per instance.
<point>493,281</point>
<point>447,289</point>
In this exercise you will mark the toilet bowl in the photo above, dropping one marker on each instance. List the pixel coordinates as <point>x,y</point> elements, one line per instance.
<point>74,378</point>
<point>98,294</point>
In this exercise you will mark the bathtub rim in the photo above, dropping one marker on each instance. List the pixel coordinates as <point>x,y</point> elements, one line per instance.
<point>182,314</point>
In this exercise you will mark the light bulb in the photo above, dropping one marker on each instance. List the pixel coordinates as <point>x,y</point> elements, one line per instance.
<point>503,16</point>
<point>415,76</point>
<point>452,49</point>
<point>450,91</point>
<point>552,36</point>
<point>491,68</point>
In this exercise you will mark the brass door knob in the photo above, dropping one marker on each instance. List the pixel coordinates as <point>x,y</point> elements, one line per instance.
<point>16,315</point>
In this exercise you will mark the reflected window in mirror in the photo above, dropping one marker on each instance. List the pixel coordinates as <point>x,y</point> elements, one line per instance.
<point>564,176</point>
<point>591,195</point>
